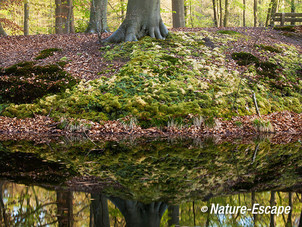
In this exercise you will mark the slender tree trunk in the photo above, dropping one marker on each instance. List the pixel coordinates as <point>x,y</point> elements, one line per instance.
<point>255,13</point>
<point>122,9</point>
<point>244,11</point>
<point>271,11</point>
<point>98,17</point>
<point>178,13</point>
<point>70,17</point>
<point>2,32</point>
<point>26,18</point>
<point>290,204</point>
<point>292,10</point>
<point>273,203</point>
<point>220,14</point>
<point>142,18</point>
<point>215,13</point>
<point>226,13</point>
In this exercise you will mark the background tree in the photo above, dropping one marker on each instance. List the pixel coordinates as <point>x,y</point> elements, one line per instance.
<point>226,13</point>
<point>255,13</point>
<point>215,13</point>
<point>26,18</point>
<point>142,18</point>
<point>178,13</point>
<point>98,17</point>
<point>64,16</point>
<point>2,32</point>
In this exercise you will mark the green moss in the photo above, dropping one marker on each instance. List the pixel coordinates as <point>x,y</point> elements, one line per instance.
<point>285,28</point>
<point>244,58</point>
<point>25,82</point>
<point>228,32</point>
<point>47,53</point>
<point>269,48</point>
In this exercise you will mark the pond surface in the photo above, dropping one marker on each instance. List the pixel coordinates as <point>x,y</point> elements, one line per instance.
<point>150,182</point>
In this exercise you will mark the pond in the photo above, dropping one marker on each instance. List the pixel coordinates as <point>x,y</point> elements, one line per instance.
<point>150,182</point>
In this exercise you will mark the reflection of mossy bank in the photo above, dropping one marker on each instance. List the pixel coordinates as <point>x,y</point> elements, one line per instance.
<point>170,79</point>
<point>179,170</point>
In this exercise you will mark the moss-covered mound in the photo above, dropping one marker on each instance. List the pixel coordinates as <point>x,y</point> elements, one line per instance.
<point>178,78</point>
<point>47,53</point>
<point>25,82</point>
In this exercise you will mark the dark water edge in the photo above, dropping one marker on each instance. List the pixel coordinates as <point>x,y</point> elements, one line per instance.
<point>73,181</point>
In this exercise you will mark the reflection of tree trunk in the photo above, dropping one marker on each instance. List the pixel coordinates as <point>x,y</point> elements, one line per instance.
<point>64,207</point>
<point>138,214</point>
<point>99,214</point>
<point>2,208</point>
<point>290,203</point>
<point>253,202</point>
<point>173,213</point>
<point>272,203</point>
<point>300,222</point>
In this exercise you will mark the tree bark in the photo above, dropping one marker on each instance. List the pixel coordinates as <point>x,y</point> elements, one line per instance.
<point>98,17</point>
<point>215,13</point>
<point>138,214</point>
<point>292,9</point>
<point>255,13</point>
<point>64,16</point>
<point>178,13</point>
<point>99,213</point>
<point>142,18</point>
<point>220,10</point>
<point>173,213</point>
<point>26,18</point>
<point>226,13</point>
<point>2,32</point>
<point>64,208</point>
<point>244,11</point>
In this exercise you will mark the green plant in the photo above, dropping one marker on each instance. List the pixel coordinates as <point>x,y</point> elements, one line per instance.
<point>47,53</point>
<point>198,121</point>
<point>244,58</point>
<point>263,126</point>
<point>228,32</point>
<point>238,123</point>
<point>288,28</point>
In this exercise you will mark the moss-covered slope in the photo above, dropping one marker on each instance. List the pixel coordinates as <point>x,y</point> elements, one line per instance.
<point>177,78</point>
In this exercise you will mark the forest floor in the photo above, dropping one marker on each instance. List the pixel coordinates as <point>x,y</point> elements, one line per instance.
<point>85,61</point>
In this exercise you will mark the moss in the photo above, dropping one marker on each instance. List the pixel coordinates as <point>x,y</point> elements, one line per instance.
<point>228,32</point>
<point>47,53</point>
<point>25,82</point>
<point>244,58</point>
<point>267,69</point>
<point>285,28</point>
<point>269,48</point>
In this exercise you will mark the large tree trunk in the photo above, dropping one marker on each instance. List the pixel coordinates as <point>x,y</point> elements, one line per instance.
<point>226,14</point>
<point>64,208</point>
<point>138,214</point>
<point>2,32</point>
<point>178,13</point>
<point>173,213</point>
<point>99,213</point>
<point>98,17</point>
<point>142,18</point>
<point>26,18</point>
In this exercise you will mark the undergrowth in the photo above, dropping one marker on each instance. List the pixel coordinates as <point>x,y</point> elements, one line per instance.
<point>174,78</point>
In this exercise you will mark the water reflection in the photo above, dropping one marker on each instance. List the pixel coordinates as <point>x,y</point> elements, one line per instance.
<point>147,183</point>
<point>23,205</point>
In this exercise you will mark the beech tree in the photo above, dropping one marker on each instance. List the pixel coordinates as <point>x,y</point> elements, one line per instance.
<point>178,15</point>
<point>64,17</point>
<point>98,17</point>
<point>26,18</point>
<point>142,18</point>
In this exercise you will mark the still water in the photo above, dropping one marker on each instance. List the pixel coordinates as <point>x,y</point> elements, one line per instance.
<point>150,182</point>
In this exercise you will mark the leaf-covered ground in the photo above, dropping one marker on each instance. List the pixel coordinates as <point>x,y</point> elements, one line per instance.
<point>195,80</point>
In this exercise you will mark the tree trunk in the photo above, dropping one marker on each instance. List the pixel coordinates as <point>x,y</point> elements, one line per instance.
<point>215,13</point>
<point>271,11</point>
<point>292,10</point>
<point>26,18</point>
<point>178,13</point>
<point>244,11</point>
<point>138,214</point>
<point>273,203</point>
<point>220,14</point>
<point>226,13</point>
<point>98,17</point>
<point>142,18</point>
<point>255,13</point>
<point>2,32</point>
<point>64,16</point>
<point>64,208</point>
<point>99,214</point>
<point>173,213</point>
